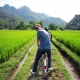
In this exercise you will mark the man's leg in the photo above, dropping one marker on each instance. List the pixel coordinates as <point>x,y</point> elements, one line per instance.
<point>49,58</point>
<point>38,55</point>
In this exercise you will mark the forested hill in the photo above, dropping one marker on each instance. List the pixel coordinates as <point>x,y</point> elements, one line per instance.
<point>10,13</point>
<point>74,24</point>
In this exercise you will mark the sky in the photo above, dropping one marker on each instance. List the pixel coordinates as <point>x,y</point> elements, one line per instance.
<point>64,9</point>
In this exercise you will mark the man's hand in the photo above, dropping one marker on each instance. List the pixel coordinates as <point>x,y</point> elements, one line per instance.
<point>38,42</point>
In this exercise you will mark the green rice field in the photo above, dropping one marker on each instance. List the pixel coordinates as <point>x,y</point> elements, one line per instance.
<point>13,40</point>
<point>70,39</point>
<point>14,44</point>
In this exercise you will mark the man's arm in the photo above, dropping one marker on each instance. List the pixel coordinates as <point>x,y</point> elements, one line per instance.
<point>38,42</point>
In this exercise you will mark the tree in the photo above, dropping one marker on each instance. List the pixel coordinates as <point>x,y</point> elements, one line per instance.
<point>21,26</point>
<point>52,26</point>
<point>31,24</point>
<point>41,23</point>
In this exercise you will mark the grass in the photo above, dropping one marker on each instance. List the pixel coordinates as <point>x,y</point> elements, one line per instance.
<point>24,72</point>
<point>59,68</point>
<point>7,67</point>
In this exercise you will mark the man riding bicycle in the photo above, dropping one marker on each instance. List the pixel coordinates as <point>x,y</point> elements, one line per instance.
<point>43,43</point>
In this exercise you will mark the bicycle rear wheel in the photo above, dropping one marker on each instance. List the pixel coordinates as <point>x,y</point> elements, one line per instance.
<point>45,63</point>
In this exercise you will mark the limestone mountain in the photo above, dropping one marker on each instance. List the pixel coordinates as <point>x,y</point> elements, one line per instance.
<point>8,12</point>
<point>74,24</point>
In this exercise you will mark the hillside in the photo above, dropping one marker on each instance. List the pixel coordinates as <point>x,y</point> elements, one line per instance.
<point>74,24</point>
<point>57,21</point>
<point>7,12</point>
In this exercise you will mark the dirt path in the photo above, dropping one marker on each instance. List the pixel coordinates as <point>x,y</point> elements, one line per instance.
<point>50,75</point>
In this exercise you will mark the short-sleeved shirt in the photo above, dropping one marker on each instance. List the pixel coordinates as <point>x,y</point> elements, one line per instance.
<point>44,38</point>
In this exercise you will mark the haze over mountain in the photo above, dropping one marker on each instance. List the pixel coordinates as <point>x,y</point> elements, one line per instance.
<point>24,13</point>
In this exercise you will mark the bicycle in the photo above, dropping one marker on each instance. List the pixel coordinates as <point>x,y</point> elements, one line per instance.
<point>45,65</point>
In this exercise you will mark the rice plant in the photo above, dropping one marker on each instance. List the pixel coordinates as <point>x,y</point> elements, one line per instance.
<point>71,39</point>
<point>13,40</point>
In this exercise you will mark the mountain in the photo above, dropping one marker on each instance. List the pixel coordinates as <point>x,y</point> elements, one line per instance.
<point>7,12</point>
<point>74,24</point>
<point>57,21</point>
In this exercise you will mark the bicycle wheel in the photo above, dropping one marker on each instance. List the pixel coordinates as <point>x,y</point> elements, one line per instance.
<point>45,63</point>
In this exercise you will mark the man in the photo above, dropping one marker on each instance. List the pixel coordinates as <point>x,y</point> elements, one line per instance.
<point>43,43</point>
<point>46,28</point>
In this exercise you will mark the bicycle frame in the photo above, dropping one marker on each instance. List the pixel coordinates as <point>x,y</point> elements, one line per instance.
<point>45,62</point>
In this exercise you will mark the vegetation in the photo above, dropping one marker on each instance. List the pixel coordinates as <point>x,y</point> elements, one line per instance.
<point>63,41</point>
<point>74,24</point>
<point>23,25</point>
<point>9,66</point>
<point>53,26</point>
<point>23,42</point>
<point>69,38</point>
<point>11,41</point>
<point>10,17</point>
